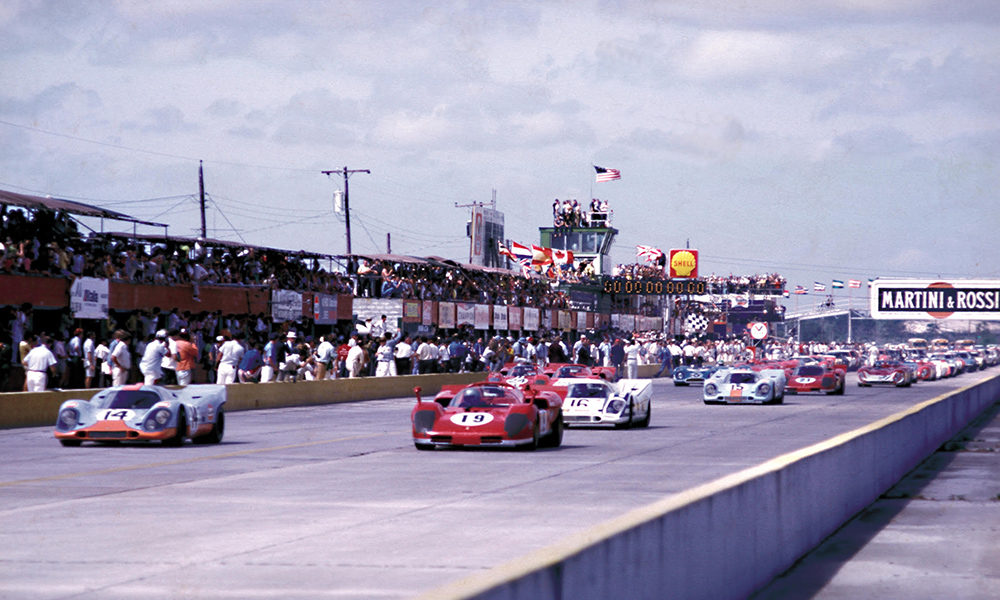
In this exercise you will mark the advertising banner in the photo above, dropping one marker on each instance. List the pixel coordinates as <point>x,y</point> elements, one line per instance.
<point>286,305</point>
<point>499,317</point>
<point>411,311</point>
<point>514,322</point>
<point>965,299</point>
<point>324,309</point>
<point>429,310</point>
<point>683,263</point>
<point>88,298</point>
<point>446,315</point>
<point>465,314</point>
<point>483,316</point>
<point>531,319</point>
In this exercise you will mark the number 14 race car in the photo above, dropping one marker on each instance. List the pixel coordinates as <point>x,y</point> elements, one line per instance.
<point>144,413</point>
<point>489,414</point>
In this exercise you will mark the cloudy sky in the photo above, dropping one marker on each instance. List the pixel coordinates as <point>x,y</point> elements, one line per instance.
<point>828,139</point>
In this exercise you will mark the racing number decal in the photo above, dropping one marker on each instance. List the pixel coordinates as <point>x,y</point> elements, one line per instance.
<point>115,415</point>
<point>471,419</point>
<point>578,402</point>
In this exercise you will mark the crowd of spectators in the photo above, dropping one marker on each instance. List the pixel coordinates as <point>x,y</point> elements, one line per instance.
<point>570,213</point>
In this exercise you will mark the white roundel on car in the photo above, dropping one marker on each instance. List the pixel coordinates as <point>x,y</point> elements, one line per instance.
<point>471,419</point>
<point>805,379</point>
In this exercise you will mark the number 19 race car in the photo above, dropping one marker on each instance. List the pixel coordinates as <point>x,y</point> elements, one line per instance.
<point>489,414</point>
<point>144,413</point>
<point>597,402</point>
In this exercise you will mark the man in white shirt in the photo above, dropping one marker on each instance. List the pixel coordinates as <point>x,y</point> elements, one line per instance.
<point>324,357</point>
<point>121,359</point>
<point>230,354</point>
<point>151,364</point>
<point>39,363</point>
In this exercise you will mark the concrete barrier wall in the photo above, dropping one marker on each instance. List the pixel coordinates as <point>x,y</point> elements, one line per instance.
<point>732,536</point>
<point>36,409</point>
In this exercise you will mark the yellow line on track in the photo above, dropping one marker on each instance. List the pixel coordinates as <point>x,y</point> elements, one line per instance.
<point>195,459</point>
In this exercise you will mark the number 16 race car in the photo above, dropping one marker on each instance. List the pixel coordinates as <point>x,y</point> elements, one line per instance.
<point>144,413</point>
<point>624,403</point>
<point>489,414</point>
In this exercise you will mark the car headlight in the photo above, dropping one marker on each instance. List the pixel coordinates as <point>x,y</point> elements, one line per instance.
<point>711,390</point>
<point>156,420</point>
<point>68,418</point>
<point>764,389</point>
<point>615,406</point>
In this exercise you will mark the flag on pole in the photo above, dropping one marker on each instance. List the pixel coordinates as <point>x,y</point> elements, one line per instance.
<point>800,290</point>
<point>786,293</point>
<point>854,283</point>
<point>648,253</point>
<point>607,174</point>
<point>838,283</point>
<point>562,257</point>
<point>818,287</point>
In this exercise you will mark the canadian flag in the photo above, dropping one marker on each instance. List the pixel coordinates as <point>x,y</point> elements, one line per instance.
<point>562,257</point>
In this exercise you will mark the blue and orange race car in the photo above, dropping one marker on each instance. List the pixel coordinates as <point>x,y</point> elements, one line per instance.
<point>145,413</point>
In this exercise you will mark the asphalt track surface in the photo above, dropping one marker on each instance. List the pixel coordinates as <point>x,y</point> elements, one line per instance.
<point>335,502</point>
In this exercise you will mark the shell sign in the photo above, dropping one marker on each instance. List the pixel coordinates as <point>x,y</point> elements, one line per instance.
<point>683,263</point>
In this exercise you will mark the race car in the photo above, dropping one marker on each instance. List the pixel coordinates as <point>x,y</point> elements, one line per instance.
<point>815,378</point>
<point>597,402</point>
<point>745,386</point>
<point>686,375</point>
<point>563,370</point>
<point>489,414</point>
<point>145,413</point>
<point>521,375</point>
<point>885,372</point>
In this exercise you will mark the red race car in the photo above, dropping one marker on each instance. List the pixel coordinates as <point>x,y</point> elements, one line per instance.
<point>570,371</point>
<point>488,414</point>
<point>815,378</point>
<point>885,372</point>
<point>521,375</point>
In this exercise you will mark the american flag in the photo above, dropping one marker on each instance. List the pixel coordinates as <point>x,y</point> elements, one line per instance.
<point>607,174</point>
<point>854,283</point>
<point>648,253</point>
<point>818,287</point>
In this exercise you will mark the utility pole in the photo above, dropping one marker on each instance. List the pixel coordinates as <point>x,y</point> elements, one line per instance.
<point>201,196</point>
<point>347,204</point>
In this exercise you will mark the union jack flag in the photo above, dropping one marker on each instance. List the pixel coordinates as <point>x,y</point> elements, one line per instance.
<point>648,253</point>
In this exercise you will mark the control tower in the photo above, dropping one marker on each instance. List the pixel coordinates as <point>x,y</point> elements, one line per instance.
<point>590,240</point>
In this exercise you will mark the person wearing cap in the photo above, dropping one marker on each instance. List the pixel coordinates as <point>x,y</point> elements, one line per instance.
<point>151,365</point>
<point>286,350</point>
<point>230,354</point>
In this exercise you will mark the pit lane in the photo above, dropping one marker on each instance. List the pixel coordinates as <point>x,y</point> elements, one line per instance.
<point>334,501</point>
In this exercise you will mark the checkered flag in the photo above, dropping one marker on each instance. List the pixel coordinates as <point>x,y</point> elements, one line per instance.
<point>695,322</point>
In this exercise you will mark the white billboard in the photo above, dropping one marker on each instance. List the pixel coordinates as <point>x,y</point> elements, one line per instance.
<point>965,299</point>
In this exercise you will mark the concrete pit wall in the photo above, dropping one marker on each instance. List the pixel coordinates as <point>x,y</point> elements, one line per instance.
<point>730,537</point>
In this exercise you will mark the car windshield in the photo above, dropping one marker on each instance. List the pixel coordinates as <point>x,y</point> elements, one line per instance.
<point>482,396</point>
<point>588,390</point>
<point>522,370</point>
<point>139,399</point>
<point>810,370</point>
<point>568,371</point>
<point>885,364</point>
<point>742,378</point>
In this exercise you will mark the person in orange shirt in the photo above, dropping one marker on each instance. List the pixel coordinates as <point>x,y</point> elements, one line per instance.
<point>187,357</point>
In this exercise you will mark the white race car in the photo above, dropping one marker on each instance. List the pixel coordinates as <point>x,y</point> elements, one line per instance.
<point>745,386</point>
<point>623,403</point>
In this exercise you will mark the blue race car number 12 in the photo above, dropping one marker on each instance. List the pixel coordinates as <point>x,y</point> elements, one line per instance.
<point>471,419</point>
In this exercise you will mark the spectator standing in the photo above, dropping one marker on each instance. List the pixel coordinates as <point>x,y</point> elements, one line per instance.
<point>324,357</point>
<point>632,359</point>
<point>121,358</point>
<point>187,358</point>
<point>39,363</point>
<point>102,363</point>
<point>151,364</point>
<point>270,358</point>
<point>404,356</point>
<point>74,351</point>
<point>89,360</point>
<point>355,358</point>
<point>251,364</point>
<point>230,354</point>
